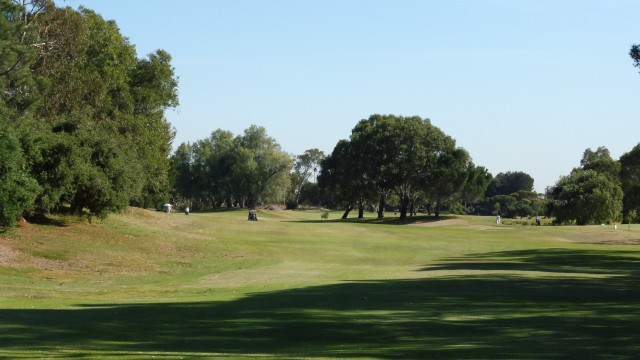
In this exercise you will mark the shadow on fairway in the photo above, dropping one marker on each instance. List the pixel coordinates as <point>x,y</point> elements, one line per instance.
<point>497,315</point>
<point>420,219</point>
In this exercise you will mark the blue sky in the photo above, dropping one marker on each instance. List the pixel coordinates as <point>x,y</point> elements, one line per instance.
<point>522,85</point>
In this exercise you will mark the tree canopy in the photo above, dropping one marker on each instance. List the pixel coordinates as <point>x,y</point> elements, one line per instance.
<point>404,156</point>
<point>223,169</point>
<point>86,113</point>
<point>591,194</point>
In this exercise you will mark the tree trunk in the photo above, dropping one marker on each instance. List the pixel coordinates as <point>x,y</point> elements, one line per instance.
<point>347,211</point>
<point>438,208</point>
<point>252,203</point>
<point>381,206</point>
<point>404,206</point>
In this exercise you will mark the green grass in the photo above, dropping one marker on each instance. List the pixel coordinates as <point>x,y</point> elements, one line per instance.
<point>210,285</point>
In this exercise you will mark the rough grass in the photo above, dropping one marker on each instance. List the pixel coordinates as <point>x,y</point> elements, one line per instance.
<point>147,284</point>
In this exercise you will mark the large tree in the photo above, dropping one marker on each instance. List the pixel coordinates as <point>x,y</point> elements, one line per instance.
<point>586,197</point>
<point>601,162</point>
<point>406,157</point>
<point>630,182</point>
<point>304,166</point>
<point>89,115</point>
<point>263,167</point>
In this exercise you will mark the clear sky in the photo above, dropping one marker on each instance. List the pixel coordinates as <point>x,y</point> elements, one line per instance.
<point>523,85</point>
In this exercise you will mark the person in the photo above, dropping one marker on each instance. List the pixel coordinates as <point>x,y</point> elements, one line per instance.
<point>538,220</point>
<point>186,210</point>
<point>498,219</point>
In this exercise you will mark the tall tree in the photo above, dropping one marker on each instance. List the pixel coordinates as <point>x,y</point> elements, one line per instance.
<point>88,114</point>
<point>478,179</point>
<point>448,176</point>
<point>264,165</point>
<point>630,182</point>
<point>304,166</point>
<point>601,162</point>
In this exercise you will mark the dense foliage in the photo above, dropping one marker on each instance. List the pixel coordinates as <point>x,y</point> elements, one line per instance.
<point>591,194</point>
<point>83,126</point>
<point>236,171</point>
<point>405,157</point>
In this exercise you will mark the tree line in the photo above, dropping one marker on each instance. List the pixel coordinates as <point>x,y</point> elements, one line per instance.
<point>83,131</point>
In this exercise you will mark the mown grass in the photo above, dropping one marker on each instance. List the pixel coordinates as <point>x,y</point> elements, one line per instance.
<point>146,284</point>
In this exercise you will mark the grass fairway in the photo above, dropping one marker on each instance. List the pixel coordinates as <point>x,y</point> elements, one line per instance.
<point>150,285</point>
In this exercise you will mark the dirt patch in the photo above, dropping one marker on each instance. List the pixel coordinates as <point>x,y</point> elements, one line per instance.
<point>8,256</point>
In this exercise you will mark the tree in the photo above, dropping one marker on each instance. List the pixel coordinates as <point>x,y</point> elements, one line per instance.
<point>630,182</point>
<point>509,183</point>
<point>88,114</point>
<point>478,179</point>
<point>304,166</point>
<point>635,54</point>
<point>586,197</point>
<point>397,154</point>
<point>601,162</point>
<point>342,175</point>
<point>448,176</point>
<point>18,190</point>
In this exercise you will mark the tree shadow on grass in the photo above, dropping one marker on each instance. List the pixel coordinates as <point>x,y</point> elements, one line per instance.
<point>464,316</point>
<point>419,219</point>
<point>42,219</point>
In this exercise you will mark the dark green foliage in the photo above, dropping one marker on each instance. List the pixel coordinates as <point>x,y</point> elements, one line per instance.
<point>18,190</point>
<point>630,181</point>
<point>586,197</point>
<point>233,171</point>
<point>509,183</point>
<point>89,115</point>
<point>388,155</point>
<point>635,54</point>
<point>591,194</point>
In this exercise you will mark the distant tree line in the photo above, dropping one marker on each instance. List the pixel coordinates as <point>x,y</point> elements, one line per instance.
<point>82,130</point>
<point>82,126</point>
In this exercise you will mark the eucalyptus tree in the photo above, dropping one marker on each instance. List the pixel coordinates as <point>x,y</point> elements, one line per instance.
<point>262,168</point>
<point>304,166</point>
